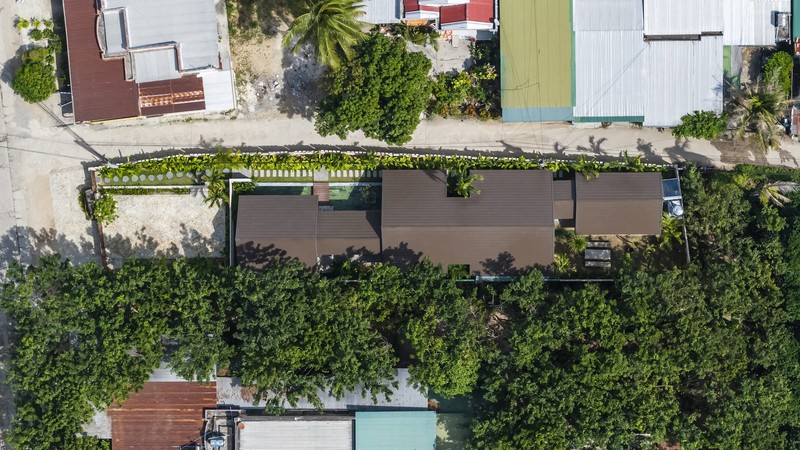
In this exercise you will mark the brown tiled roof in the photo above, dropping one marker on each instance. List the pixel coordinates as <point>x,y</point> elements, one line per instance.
<point>99,89</point>
<point>291,226</point>
<point>349,232</point>
<point>564,199</point>
<point>618,203</point>
<point>162,416</point>
<point>509,225</point>
<point>276,225</point>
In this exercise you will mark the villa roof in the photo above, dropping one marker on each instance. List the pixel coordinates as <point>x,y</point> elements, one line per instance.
<point>292,226</point>
<point>619,203</point>
<point>564,199</point>
<point>508,225</point>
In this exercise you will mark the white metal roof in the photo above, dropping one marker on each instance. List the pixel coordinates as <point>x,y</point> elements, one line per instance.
<point>296,433</point>
<point>192,24</point>
<point>610,73</point>
<point>155,65</point>
<point>114,21</point>
<point>671,17</point>
<point>751,22</point>
<point>231,392</point>
<point>683,76</point>
<point>380,11</point>
<point>218,89</point>
<point>602,15</point>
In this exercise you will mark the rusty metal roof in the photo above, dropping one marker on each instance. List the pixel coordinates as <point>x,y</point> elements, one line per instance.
<point>509,225</point>
<point>161,416</point>
<point>619,203</point>
<point>99,88</point>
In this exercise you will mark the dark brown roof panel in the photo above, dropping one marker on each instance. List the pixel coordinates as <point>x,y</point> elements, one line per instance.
<point>510,220</point>
<point>349,233</point>
<point>162,415</point>
<point>564,199</point>
<point>618,203</point>
<point>99,88</point>
<point>276,226</point>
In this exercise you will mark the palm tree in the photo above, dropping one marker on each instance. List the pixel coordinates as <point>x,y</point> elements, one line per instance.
<point>331,26</point>
<point>756,108</point>
<point>776,193</point>
<point>461,183</point>
<point>217,192</point>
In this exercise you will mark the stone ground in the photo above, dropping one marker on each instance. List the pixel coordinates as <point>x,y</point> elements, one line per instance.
<point>164,225</point>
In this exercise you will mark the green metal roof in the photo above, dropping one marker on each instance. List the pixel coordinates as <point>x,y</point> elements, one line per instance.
<point>795,19</point>
<point>536,43</point>
<point>395,430</point>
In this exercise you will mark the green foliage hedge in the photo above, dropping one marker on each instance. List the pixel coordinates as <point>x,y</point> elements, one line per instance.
<point>779,65</point>
<point>34,81</point>
<point>702,125</point>
<point>235,160</point>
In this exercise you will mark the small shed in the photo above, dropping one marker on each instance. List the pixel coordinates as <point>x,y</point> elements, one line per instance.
<point>395,430</point>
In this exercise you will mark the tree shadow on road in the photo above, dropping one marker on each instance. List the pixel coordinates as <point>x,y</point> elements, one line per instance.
<point>648,154</point>
<point>680,152</point>
<point>594,146</point>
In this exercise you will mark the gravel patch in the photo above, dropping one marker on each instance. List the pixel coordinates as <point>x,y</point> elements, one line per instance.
<point>169,225</point>
<point>73,235</point>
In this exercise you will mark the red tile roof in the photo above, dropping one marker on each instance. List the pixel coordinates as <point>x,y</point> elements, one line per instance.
<point>99,89</point>
<point>474,11</point>
<point>413,6</point>
<point>162,416</point>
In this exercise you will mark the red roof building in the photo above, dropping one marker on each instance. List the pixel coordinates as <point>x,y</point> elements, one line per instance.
<point>453,15</point>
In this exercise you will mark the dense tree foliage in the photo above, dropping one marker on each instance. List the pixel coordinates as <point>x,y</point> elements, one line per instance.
<point>382,91</point>
<point>705,355</point>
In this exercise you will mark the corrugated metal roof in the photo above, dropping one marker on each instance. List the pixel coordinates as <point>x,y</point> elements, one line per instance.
<point>683,76</point>
<point>155,65</point>
<point>672,17</point>
<point>161,416</point>
<point>169,96</point>
<point>218,87</point>
<point>296,433</point>
<point>536,60</point>
<point>395,430</point>
<point>610,80</point>
<point>231,392</point>
<point>99,89</point>
<point>190,23</point>
<point>618,203</point>
<point>380,11</point>
<point>508,225</point>
<point>607,15</point>
<point>564,199</point>
<point>751,22</point>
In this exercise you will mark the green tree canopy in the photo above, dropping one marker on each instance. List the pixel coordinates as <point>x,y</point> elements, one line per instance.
<point>382,91</point>
<point>34,81</point>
